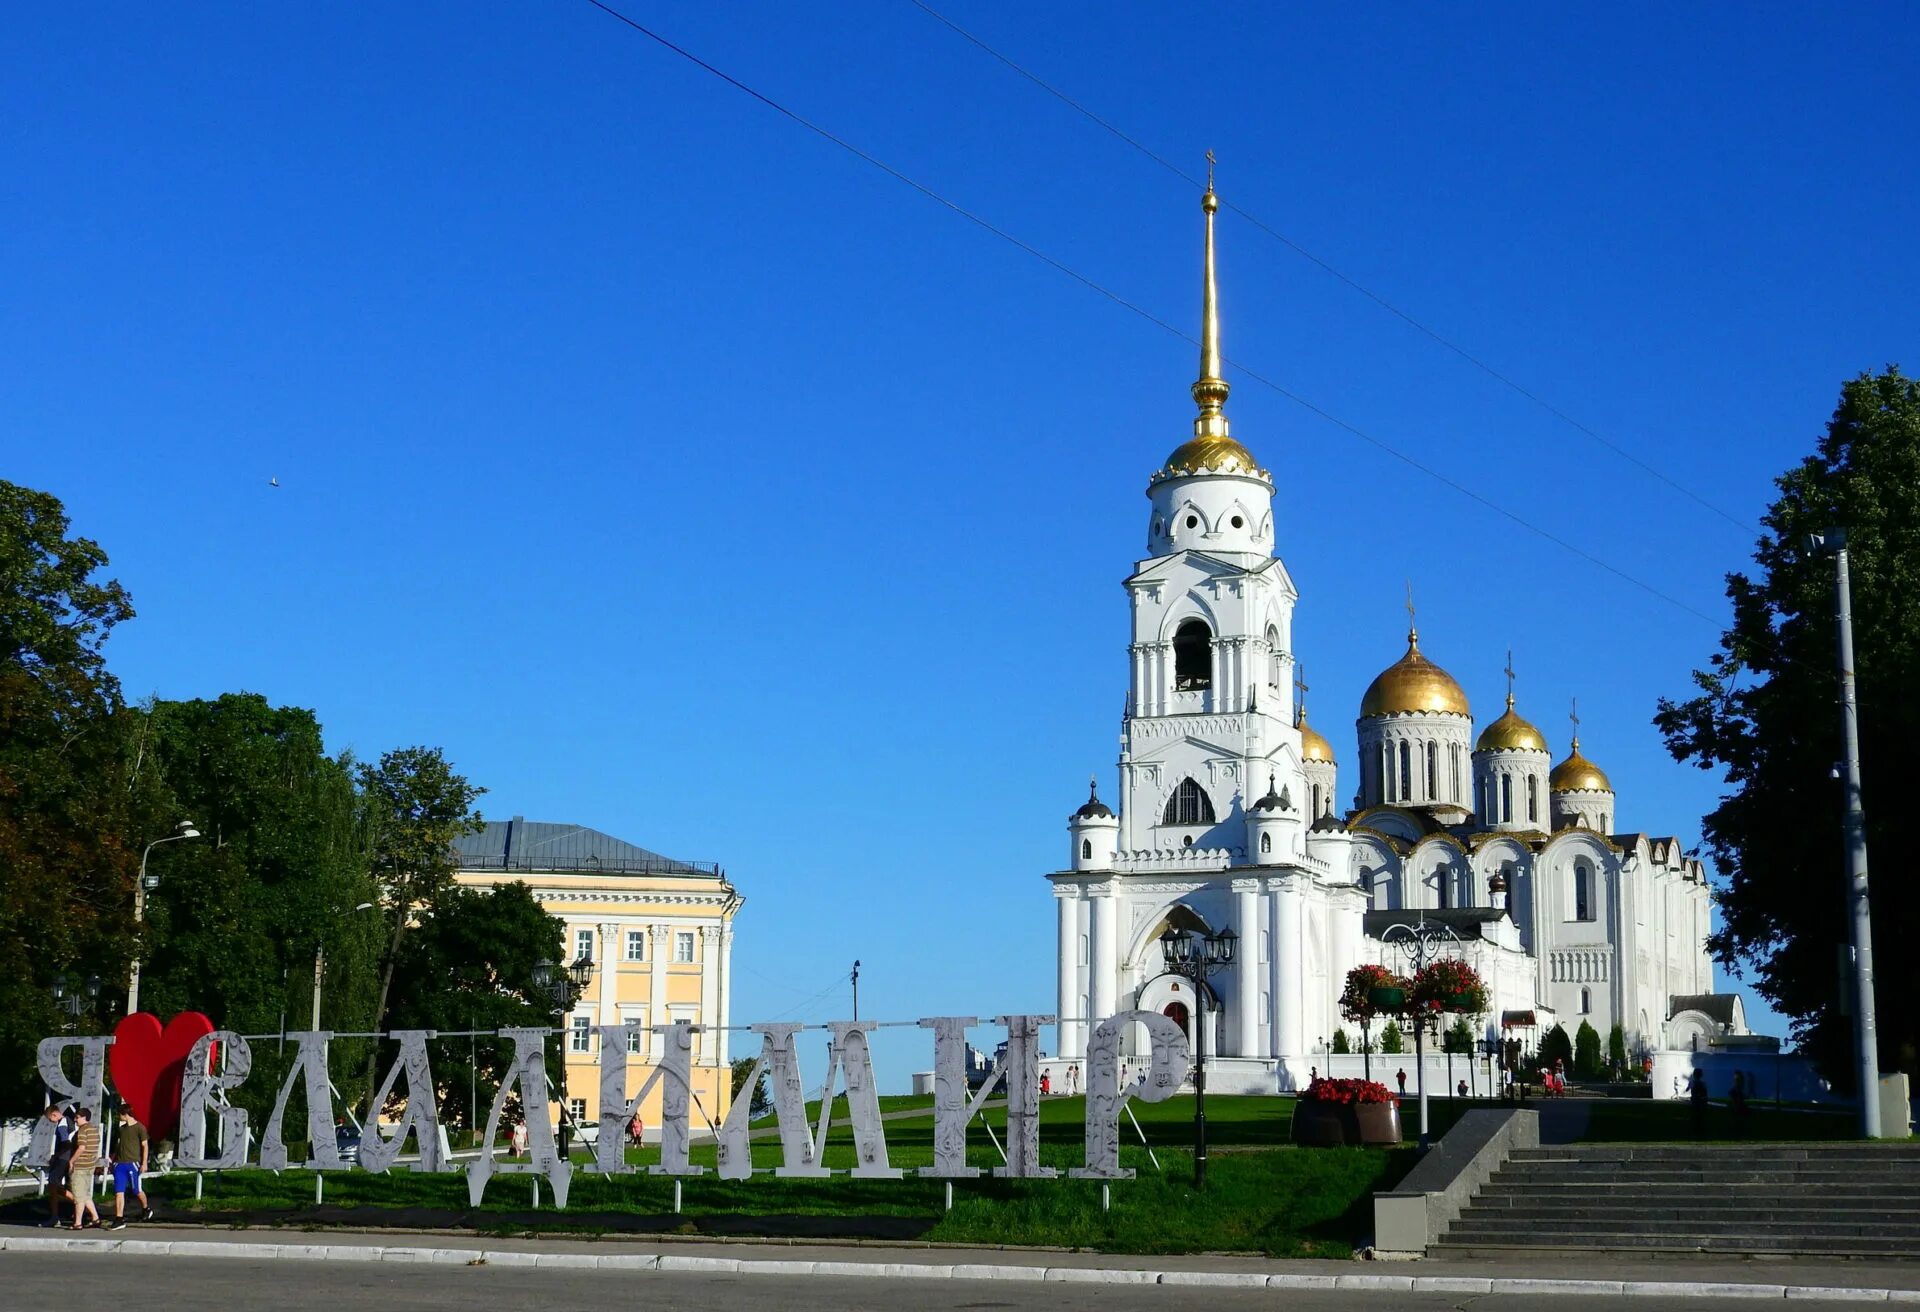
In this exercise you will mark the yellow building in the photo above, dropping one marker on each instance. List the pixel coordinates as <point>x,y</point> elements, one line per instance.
<point>658,932</point>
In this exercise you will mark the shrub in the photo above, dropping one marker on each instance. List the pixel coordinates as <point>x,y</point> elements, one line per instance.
<point>1556,1046</point>
<point>1459,1037</point>
<point>1586,1052</point>
<point>1391,1039</point>
<point>1341,1046</point>
<point>1617,1049</point>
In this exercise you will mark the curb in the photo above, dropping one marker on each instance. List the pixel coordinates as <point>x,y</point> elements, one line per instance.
<point>1453,1284</point>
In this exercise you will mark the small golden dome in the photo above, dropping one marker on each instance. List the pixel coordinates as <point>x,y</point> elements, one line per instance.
<point>1577,774</point>
<point>1210,455</point>
<point>1313,746</point>
<point>1413,684</point>
<point>1510,733</point>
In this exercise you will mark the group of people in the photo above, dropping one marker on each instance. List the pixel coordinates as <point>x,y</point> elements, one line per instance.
<point>75,1164</point>
<point>1069,1083</point>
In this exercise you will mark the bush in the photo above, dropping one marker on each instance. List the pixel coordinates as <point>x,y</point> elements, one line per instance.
<point>1586,1052</point>
<point>1341,1046</point>
<point>1459,1037</point>
<point>1391,1039</point>
<point>1617,1050</point>
<point>1556,1046</point>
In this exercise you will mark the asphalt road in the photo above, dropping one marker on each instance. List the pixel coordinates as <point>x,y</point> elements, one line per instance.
<point>54,1280</point>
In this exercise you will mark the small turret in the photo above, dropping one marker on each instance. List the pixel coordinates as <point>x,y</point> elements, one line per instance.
<point>1095,830</point>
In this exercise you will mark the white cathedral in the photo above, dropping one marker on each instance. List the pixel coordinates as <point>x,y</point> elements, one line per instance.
<point>1229,818</point>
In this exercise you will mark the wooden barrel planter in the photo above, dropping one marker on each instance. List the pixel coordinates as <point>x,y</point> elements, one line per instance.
<point>1335,1125</point>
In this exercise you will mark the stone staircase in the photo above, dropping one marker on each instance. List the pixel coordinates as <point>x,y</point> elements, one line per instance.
<point>1830,1200</point>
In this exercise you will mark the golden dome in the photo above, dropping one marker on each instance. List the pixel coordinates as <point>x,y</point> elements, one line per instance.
<point>1577,774</point>
<point>1313,746</point>
<point>1510,733</point>
<point>1413,684</point>
<point>1210,455</point>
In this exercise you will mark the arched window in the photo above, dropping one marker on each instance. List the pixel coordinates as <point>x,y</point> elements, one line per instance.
<point>1582,891</point>
<point>1274,670</point>
<point>1433,772</point>
<point>1316,802</point>
<point>1506,798</point>
<point>1586,1002</point>
<point>1458,792</point>
<point>1189,805</point>
<point>1440,886</point>
<point>1406,773</point>
<point>1266,844</point>
<point>1533,800</point>
<point>1192,657</point>
<point>1386,772</point>
<point>1086,849</point>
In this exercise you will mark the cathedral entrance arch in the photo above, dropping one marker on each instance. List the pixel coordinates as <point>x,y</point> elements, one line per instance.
<point>1177,1013</point>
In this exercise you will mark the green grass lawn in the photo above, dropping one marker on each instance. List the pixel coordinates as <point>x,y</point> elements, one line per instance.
<point>1263,1195</point>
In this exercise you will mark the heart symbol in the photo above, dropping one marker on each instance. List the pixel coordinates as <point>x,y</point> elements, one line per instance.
<point>147,1063</point>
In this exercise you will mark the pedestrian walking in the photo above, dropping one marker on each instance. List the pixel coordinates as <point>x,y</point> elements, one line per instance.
<point>1401,1075</point>
<point>129,1165</point>
<point>1737,1101</point>
<point>637,1131</point>
<point>1073,1079</point>
<point>60,1164</point>
<point>86,1160</point>
<point>1697,1096</point>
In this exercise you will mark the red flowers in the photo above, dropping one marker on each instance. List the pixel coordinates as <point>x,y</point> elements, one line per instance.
<point>1449,984</point>
<point>1344,1093</point>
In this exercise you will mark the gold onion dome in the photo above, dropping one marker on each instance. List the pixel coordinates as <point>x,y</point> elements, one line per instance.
<point>1414,685</point>
<point>1212,449</point>
<point>1313,746</point>
<point>1510,733</point>
<point>1577,774</point>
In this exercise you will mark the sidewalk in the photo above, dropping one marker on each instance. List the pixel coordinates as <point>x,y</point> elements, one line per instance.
<point>1707,1278</point>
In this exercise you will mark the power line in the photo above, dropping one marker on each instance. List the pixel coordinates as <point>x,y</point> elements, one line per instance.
<point>1350,282</point>
<point>1146,314</point>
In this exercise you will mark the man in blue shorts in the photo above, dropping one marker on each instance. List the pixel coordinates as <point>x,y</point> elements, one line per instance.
<point>129,1160</point>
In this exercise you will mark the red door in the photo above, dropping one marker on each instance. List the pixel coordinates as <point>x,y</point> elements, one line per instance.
<point>1177,1013</point>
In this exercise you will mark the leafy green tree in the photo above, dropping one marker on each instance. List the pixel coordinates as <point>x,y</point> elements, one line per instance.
<point>1459,1036</point>
<point>1555,1046</point>
<point>762,1104</point>
<point>1617,1049</point>
<point>1392,1041</point>
<point>71,817</point>
<point>1765,715</point>
<point>1341,1044</point>
<point>413,805</point>
<point>1586,1052</point>
<point>468,965</point>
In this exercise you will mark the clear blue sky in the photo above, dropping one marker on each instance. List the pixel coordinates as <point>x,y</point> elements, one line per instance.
<point>685,477</point>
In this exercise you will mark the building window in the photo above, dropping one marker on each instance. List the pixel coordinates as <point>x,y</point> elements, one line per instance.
<point>636,945</point>
<point>1406,774</point>
<point>1440,886</point>
<point>1586,1002</point>
<point>1582,891</point>
<point>633,1038</point>
<point>1533,799</point>
<point>1433,772</point>
<point>1506,797</point>
<point>1275,666</point>
<point>1266,844</point>
<point>1083,949</point>
<point>577,1110</point>
<point>1192,657</point>
<point>1086,849</point>
<point>1316,801</point>
<point>582,944</point>
<point>1458,792</point>
<point>1189,805</point>
<point>580,1033</point>
<point>683,947</point>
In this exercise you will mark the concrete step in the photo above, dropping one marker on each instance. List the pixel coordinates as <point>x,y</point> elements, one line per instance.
<point>1654,1176</point>
<point>1717,1210</point>
<point>1899,1151</point>
<point>1696,1188</point>
<point>1669,1247</point>
<point>1572,1227</point>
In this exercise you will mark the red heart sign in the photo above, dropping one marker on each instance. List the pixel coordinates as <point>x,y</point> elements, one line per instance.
<point>147,1062</point>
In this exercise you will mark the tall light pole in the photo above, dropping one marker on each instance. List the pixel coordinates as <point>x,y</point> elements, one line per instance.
<point>856,990</point>
<point>320,962</point>
<point>1194,957</point>
<point>140,889</point>
<point>563,987</point>
<point>1421,943</point>
<point>1854,828</point>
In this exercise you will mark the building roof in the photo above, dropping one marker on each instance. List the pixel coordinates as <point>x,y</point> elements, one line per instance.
<point>522,844</point>
<point>1715,1006</point>
<point>1467,922</point>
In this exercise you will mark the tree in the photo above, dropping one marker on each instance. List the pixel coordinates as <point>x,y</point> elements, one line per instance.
<point>1586,1052</point>
<point>1341,1045</point>
<point>1555,1046</point>
<point>762,1104</point>
<point>1617,1050</point>
<point>1392,1042</point>
<point>468,965</point>
<point>1459,1036</point>
<point>1765,715</point>
<point>414,806</point>
<point>70,815</point>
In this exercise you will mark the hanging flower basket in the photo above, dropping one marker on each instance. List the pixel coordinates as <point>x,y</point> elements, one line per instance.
<point>1387,998</point>
<point>1370,991</point>
<point>1450,984</point>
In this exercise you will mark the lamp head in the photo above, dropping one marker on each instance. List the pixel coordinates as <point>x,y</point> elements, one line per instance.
<point>542,974</point>
<point>581,971</point>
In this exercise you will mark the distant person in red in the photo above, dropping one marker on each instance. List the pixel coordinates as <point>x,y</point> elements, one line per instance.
<point>636,1131</point>
<point>1401,1075</point>
<point>1046,1084</point>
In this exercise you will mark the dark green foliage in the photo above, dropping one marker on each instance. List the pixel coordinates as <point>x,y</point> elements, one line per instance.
<point>1586,1052</point>
<point>1391,1038</point>
<point>1555,1046</point>
<point>1617,1049</point>
<point>1459,1037</point>
<point>1766,716</point>
<point>762,1103</point>
<point>1341,1045</point>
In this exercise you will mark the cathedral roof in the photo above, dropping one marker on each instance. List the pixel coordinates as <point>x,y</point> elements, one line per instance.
<point>1093,808</point>
<point>1510,733</point>
<point>1210,455</point>
<point>1273,801</point>
<point>1414,684</point>
<point>1313,745</point>
<point>1577,774</point>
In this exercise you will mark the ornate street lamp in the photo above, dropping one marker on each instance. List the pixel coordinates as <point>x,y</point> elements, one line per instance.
<point>142,886</point>
<point>563,986</point>
<point>1421,943</point>
<point>1194,957</point>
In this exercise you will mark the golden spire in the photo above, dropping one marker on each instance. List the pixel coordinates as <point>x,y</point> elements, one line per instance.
<point>1509,673</point>
<point>1413,630</point>
<point>1210,392</point>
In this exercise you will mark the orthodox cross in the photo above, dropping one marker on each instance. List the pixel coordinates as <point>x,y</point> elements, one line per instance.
<point>1412,629</point>
<point>1209,170</point>
<point>1574,715</point>
<point>1509,673</point>
<point>1300,686</point>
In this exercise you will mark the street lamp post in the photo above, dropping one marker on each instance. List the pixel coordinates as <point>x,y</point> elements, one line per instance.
<point>320,961</point>
<point>1194,957</point>
<point>76,1000</point>
<point>1421,943</point>
<point>563,987</point>
<point>141,887</point>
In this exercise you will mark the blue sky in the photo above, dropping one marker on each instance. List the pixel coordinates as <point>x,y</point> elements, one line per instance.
<point>684,476</point>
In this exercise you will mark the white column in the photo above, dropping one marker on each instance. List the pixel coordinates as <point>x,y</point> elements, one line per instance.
<point>609,968</point>
<point>1246,973</point>
<point>1069,1032</point>
<point>1289,960</point>
<point>726,993</point>
<point>662,945</point>
<point>1103,968</point>
<point>709,991</point>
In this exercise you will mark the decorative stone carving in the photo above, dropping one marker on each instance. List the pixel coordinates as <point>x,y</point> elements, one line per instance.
<point>310,1060</point>
<point>197,1087</point>
<point>89,1093</point>
<point>379,1150</point>
<point>1167,1067</point>
<point>526,1072</point>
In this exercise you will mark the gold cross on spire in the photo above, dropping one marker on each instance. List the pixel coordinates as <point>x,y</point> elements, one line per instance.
<point>1300,686</point>
<point>1413,630</point>
<point>1509,673</point>
<point>1573,714</point>
<point>1209,170</point>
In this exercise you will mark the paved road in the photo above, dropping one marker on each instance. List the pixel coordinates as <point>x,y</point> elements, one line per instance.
<point>59,1279</point>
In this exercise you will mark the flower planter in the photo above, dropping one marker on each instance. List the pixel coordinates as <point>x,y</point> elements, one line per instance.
<point>1387,998</point>
<point>1335,1125</point>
